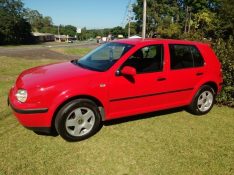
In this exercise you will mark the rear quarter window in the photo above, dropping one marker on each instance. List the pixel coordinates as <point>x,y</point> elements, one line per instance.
<point>198,59</point>
<point>185,56</point>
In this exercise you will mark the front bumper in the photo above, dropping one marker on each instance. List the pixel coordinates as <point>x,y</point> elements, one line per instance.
<point>31,118</point>
<point>27,111</point>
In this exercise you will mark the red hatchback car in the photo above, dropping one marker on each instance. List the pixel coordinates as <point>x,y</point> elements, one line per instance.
<point>118,79</point>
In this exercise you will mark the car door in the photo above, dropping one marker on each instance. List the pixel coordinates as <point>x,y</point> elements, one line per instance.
<point>186,70</point>
<point>142,92</point>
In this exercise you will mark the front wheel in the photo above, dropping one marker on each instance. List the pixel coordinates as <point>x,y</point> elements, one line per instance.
<point>203,101</point>
<point>78,120</point>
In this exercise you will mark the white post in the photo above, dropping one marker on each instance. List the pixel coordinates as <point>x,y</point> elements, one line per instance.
<point>144,20</point>
<point>129,29</point>
<point>59,34</point>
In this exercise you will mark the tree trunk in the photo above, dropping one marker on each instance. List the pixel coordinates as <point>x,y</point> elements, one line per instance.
<point>189,20</point>
<point>186,20</point>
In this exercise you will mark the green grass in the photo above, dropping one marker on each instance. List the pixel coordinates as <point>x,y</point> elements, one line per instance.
<point>72,51</point>
<point>174,143</point>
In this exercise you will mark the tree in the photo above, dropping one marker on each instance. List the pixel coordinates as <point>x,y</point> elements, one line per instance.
<point>161,14</point>
<point>34,18</point>
<point>134,29</point>
<point>226,18</point>
<point>70,30</point>
<point>38,22</point>
<point>172,18</point>
<point>117,31</point>
<point>204,22</point>
<point>14,29</point>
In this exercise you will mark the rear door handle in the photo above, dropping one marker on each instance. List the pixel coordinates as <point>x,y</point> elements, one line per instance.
<point>199,73</point>
<point>161,79</point>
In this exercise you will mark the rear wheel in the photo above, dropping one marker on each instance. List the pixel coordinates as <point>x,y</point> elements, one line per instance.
<point>78,120</point>
<point>203,101</point>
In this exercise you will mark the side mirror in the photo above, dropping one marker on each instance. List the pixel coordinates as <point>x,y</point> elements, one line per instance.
<point>128,70</point>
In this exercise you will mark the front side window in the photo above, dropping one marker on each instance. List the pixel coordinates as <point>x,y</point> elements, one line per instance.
<point>103,57</point>
<point>147,59</point>
<point>185,56</point>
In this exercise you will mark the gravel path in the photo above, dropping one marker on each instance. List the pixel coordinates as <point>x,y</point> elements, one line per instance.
<point>41,51</point>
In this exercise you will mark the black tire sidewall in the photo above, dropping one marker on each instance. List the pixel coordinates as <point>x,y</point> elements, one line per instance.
<point>193,108</point>
<point>64,113</point>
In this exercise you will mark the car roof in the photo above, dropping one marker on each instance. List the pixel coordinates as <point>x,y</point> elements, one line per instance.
<point>136,41</point>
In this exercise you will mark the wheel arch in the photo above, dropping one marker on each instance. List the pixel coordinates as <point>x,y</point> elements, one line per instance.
<point>192,107</point>
<point>213,85</point>
<point>94,99</point>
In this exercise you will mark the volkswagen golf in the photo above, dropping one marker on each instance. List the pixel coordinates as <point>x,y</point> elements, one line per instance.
<point>117,79</point>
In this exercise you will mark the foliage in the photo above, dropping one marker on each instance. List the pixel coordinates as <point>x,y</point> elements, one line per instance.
<point>44,24</point>
<point>67,30</point>
<point>178,18</point>
<point>14,29</point>
<point>86,34</point>
<point>160,16</point>
<point>134,29</point>
<point>34,18</point>
<point>224,51</point>
<point>204,23</point>
<point>93,33</point>
<point>117,31</point>
<point>171,31</point>
<point>226,18</point>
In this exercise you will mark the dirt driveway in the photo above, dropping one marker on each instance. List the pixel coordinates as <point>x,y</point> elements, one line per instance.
<point>42,51</point>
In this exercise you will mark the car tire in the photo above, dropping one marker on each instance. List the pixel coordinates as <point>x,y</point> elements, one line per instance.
<point>203,101</point>
<point>78,120</point>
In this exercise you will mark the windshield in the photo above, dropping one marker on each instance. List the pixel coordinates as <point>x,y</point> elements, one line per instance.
<point>103,57</point>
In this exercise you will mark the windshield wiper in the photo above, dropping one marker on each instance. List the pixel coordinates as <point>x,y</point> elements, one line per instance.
<point>74,61</point>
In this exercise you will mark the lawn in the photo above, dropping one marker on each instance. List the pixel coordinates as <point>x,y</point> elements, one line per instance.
<point>72,51</point>
<point>174,142</point>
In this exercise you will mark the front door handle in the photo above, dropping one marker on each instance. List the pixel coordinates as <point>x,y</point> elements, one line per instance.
<point>199,73</point>
<point>161,79</point>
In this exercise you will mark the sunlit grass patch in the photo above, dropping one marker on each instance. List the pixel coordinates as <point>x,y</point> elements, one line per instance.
<point>72,51</point>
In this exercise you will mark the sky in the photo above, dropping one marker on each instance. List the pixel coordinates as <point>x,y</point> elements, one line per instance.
<point>92,14</point>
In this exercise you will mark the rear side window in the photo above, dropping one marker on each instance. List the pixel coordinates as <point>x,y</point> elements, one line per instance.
<point>185,56</point>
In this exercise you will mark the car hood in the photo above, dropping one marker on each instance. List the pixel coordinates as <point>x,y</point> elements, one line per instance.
<point>53,74</point>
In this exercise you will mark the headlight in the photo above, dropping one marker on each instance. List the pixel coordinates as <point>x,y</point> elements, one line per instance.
<point>21,95</point>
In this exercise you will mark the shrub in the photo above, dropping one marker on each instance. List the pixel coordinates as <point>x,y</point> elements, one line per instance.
<point>225,53</point>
